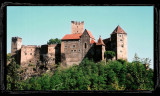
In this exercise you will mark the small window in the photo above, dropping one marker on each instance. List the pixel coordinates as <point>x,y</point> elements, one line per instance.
<point>85,46</point>
<point>71,50</point>
<point>79,50</point>
<point>74,46</point>
<point>122,45</point>
<point>74,50</point>
<point>65,46</point>
<point>121,40</point>
<point>119,35</point>
<point>25,53</point>
<point>77,26</point>
<point>30,53</point>
<point>31,49</point>
<point>121,51</point>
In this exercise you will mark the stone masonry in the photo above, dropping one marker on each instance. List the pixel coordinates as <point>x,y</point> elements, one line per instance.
<point>73,49</point>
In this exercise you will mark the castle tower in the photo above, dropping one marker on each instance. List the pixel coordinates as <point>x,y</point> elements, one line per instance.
<point>100,49</point>
<point>119,43</point>
<point>15,48</point>
<point>77,27</point>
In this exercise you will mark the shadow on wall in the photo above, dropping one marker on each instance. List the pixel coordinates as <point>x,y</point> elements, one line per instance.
<point>94,53</point>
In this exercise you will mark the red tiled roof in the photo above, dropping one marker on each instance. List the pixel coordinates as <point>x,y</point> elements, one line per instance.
<point>119,30</point>
<point>92,41</point>
<point>90,34</point>
<point>71,36</point>
<point>100,42</point>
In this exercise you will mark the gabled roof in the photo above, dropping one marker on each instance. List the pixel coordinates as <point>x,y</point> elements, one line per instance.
<point>92,41</point>
<point>90,34</point>
<point>118,30</point>
<point>71,36</point>
<point>100,42</point>
<point>76,36</point>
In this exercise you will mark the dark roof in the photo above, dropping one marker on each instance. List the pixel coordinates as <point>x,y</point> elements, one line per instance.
<point>118,30</point>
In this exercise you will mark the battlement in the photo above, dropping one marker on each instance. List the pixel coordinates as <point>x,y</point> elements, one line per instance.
<point>77,27</point>
<point>16,38</point>
<point>77,22</point>
<point>30,46</point>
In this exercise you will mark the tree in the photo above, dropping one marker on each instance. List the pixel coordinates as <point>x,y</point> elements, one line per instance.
<point>136,58</point>
<point>13,76</point>
<point>8,56</point>
<point>54,41</point>
<point>109,54</point>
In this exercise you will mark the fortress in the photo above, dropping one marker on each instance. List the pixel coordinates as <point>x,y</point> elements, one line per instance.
<point>73,49</point>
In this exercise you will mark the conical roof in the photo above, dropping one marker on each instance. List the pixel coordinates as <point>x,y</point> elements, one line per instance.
<point>100,42</point>
<point>119,30</point>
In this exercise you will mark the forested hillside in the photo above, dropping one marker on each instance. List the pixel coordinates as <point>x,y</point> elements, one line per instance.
<point>111,75</point>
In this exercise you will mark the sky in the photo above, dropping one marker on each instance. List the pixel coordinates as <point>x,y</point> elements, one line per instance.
<point>37,24</point>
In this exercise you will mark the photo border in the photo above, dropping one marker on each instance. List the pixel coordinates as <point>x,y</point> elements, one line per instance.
<point>3,46</point>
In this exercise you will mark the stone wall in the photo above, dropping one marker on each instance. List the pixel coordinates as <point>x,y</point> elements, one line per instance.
<point>30,54</point>
<point>16,48</point>
<point>85,44</point>
<point>72,52</point>
<point>77,27</point>
<point>122,46</point>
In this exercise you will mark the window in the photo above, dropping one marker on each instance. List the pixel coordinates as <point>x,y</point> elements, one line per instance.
<point>122,45</point>
<point>74,46</point>
<point>30,53</point>
<point>25,53</point>
<point>65,46</point>
<point>119,35</point>
<point>31,49</point>
<point>74,50</point>
<point>85,46</point>
<point>71,50</point>
<point>77,26</point>
<point>121,40</point>
<point>121,51</point>
<point>79,50</point>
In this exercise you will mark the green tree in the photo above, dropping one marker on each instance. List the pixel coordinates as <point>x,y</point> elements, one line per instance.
<point>54,41</point>
<point>8,56</point>
<point>109,54</point>
<point>13,76</point>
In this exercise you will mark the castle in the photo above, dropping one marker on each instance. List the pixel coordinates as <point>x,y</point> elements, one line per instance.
<point>73,49</point>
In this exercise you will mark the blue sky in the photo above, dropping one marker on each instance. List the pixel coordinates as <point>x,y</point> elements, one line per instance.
<point>37,24</point>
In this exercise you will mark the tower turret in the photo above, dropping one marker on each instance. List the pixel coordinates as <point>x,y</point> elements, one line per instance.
<point>15,48</point>
<point>77,27</point>
<point>119,43</point>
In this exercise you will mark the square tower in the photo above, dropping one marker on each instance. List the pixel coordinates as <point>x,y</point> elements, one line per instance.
<point>119,43</point>
<point>16,45</point>
<point>16,48</point>
<point>77,27</point>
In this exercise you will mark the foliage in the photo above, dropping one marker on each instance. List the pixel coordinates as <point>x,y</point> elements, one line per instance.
<point>115,75</point>
<point>13,76</point>
<point>8,56</point>
<point>109,54</point>
<point>54,41</point>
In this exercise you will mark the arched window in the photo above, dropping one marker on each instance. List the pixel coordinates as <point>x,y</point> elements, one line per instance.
<point>85,46</point>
